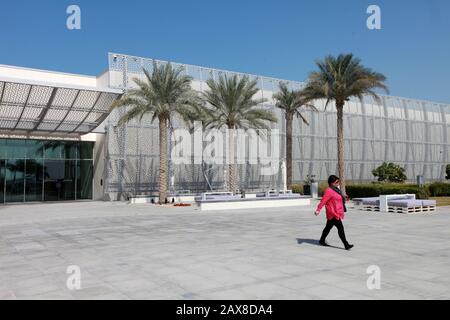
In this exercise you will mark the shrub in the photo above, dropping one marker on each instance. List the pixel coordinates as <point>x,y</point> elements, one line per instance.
<point>439,189</point>
<point>423,193</point>
<point>390,172</point>
<point>376,189</point>
<point>399,188</point>
<point>322,187</point>
<point>297,188</point>
<point>363,190</point>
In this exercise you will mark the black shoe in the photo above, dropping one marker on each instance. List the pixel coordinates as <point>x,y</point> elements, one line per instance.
<point>324,244</point>
<point>348,247</point>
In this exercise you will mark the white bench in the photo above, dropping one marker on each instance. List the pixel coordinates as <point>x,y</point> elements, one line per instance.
<point>384,207</point>
<point>218,194</point>
<point>404,203</point>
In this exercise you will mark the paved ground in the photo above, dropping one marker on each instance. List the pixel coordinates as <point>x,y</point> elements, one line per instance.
<point>147,252</point>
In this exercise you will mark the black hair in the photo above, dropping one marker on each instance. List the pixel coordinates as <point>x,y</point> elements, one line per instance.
<point>332,179</point>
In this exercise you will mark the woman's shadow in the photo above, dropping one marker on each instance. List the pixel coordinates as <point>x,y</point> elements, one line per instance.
<point>315,242</point>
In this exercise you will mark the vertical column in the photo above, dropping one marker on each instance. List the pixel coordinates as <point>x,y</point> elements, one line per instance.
<point>408,134</point>
<point>138,187</point>
<point>274,181</point>
<point>372,129</point>
<point>365,128</point>
<point>106,161</point>
<point>299,139</point>
<point>326,141</point>
<point>444,140</point>
<point>121,134</point>
<point>203,168</point>
<point>348,137</point>
<point>137,181</point>
<point>426,159</point>
<point>313,142</point>
<point>283,130</point>
<point>386,123</point>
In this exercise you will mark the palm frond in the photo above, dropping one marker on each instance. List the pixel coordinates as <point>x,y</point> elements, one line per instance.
<point>342,77</point>
<point>291,101</point>
<point>230,102</point>
<point>163,93</point>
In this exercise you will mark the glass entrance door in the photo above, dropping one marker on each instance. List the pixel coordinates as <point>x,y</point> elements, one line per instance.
<point>2,181</point>
<point>15,174</point>
<point>34,175</point>
<point>60,180</point>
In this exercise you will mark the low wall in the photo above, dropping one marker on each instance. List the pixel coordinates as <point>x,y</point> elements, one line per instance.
<point>177,199</point>
<point>256,203</point>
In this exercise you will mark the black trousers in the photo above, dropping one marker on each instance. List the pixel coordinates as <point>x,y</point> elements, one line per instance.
<point>334,223</point>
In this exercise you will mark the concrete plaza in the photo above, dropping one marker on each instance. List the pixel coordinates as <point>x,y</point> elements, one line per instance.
<point>149,252</point>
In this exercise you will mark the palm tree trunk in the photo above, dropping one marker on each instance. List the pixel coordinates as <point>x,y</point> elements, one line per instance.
<point>163,163</point>
<point>232,162</point>
<point>289,120</point>
<point>340,144</point>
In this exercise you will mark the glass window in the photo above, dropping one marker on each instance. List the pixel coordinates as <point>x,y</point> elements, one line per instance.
<point>84,179</point>
<point>59,180</point>
<point>2,181</point>
<point>35,149</point>
<point>86,150</point>
<point>15,171</point>
<point>34,173</point>
<point>3,148</point>
<point>70,149</point>
<point>36,170</point>
<point>16,149</point>
<point>53,150</point>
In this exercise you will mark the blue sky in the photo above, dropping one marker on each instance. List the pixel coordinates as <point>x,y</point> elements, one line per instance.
<point>273,38</point>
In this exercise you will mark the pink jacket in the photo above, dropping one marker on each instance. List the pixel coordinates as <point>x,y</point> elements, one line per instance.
<point>333,204</point>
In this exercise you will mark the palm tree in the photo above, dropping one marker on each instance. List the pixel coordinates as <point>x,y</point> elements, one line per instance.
<point>291,102</point>
<point>164,93</point>
<point>338,79</point>
<point>231,104</point>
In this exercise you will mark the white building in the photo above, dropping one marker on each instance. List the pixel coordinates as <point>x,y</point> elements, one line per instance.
<point>58,143</point>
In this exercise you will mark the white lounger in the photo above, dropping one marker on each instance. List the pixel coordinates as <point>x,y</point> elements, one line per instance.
<point>395,203</point>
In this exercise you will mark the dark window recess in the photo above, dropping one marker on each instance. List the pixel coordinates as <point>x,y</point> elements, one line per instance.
<point>45,170</point>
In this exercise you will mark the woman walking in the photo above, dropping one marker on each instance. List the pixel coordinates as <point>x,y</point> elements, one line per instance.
<point>334,202</point>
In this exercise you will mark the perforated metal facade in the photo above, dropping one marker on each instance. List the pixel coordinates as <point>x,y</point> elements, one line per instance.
<point>409,132</point>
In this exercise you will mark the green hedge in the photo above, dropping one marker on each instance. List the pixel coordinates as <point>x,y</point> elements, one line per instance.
<point>364,190</point>
<point>439,189</point>
<point>322,187</point>
<point>376,189</point>
<point>423,193</point>
<point>298,188</point>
